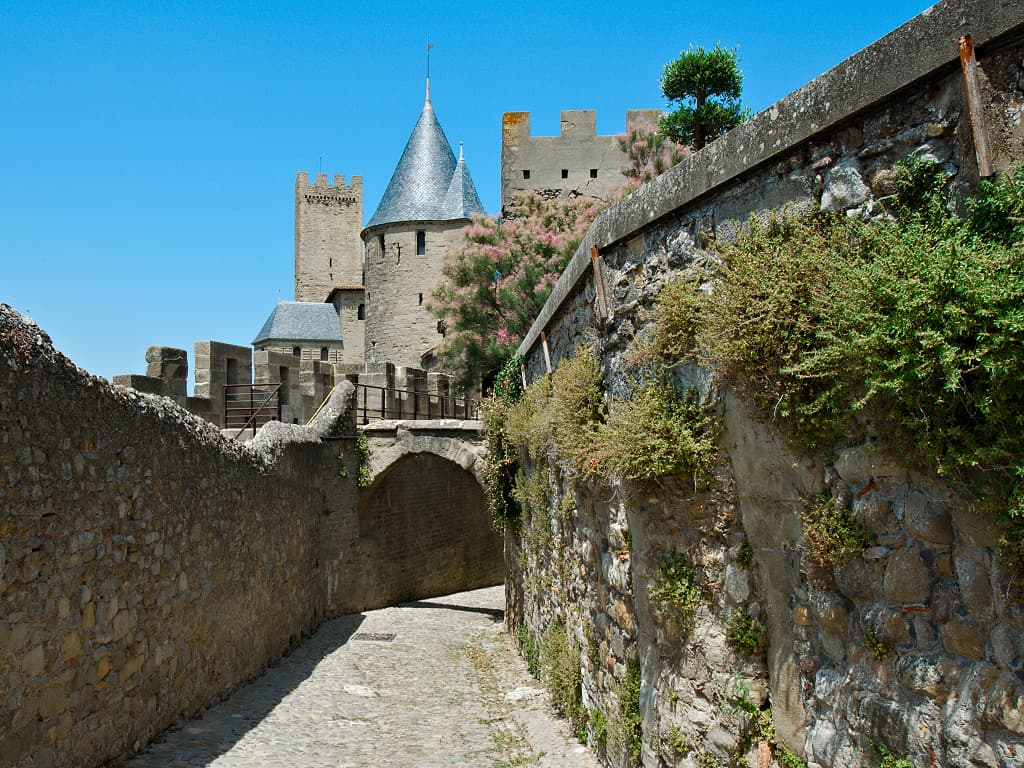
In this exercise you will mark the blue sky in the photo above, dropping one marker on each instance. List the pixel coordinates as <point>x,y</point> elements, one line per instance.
<point>149,151</point>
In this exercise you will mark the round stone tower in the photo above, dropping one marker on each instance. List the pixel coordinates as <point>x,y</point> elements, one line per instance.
<point>427,203</point>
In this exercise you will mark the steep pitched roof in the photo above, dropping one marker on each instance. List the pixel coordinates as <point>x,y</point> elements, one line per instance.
<point>301,321</point>
<point>421,186</point>
<point>461,199</point>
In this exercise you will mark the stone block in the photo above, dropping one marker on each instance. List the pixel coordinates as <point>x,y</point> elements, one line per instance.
<point>961,638</point>
<point>927,522</point>
<point>907,578</point>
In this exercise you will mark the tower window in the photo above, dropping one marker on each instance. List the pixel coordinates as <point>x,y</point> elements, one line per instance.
<point>421,299</point>
<point>526,174</point>
<point>297,351</point>
<point>565,173</point>
<point>361,312</point>
<point>593,173</point>
<point>421,242</point>
<point>380,247</point>
<point>323,353</point>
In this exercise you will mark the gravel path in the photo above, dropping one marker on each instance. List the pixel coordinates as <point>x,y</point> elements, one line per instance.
<point>447,690</point>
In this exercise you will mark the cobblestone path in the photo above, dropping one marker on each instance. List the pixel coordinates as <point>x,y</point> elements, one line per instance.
<point>448,690</point>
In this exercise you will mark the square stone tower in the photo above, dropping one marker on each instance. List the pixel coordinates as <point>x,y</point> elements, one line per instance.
<point>328,250</point>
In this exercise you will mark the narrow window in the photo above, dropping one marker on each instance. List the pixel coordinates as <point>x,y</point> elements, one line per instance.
<point>565,173</point>
<point>330,263</point>
<point>421,242</point>
<point>297,351</point>
<point>526,174</point>
<point>323,353</point>
<point>361,312</point>
<point>593,173</point>
<point>380,247</point>
<point>421,299</point>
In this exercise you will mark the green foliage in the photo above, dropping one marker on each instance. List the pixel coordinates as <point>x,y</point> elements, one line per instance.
<point>787,758</point>
<point>888,760</point>
<point>649,154</point>
<point>676,587</point>
<point>879,649</point>
<point>599,729</point>
<point>915,324</point>
<point>705,87</point>
<point>562,677</point>
<point>496,282</point>
<point>502,457</point>
<point>746,635</point>
<point>997,213</point>
<point>657,433</point>
<point>745,556</point>
<point>831,535</point>
<point>363,451</point>
<point>678,743</point>
<point>758,726</point>
<point>577,409</point>
<point>626,730</point>
<point>530,648</point>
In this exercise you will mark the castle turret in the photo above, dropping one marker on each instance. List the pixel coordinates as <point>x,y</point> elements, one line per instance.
<point>427,203</point>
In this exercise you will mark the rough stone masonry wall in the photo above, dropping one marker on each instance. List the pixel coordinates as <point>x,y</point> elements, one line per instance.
<point>916,647</point>
<point>148,566</point>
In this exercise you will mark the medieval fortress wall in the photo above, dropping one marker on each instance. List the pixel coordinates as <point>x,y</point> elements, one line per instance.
<point>148,566</point>
<point>917,646</point>
<point>576,162</point>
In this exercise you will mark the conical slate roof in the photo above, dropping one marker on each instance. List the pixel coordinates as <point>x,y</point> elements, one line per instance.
<point>461,199</point>
<point>428,184</point>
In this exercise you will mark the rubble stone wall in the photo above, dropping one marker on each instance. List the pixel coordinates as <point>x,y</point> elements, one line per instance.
<point>916,646</point>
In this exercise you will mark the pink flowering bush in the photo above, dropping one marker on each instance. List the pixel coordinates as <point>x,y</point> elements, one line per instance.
<point>649,153</point>
<point>496,282</point>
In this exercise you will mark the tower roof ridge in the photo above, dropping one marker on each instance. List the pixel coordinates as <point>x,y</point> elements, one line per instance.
<point>461,200</point>
<point>422,181</point>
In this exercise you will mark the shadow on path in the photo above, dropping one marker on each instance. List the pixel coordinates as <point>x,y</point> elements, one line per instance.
<point>497,614</point>
<point>200,741</point>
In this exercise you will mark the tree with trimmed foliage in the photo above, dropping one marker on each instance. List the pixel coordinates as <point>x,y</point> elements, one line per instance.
<point>705,88</point>
<point>497,281</point>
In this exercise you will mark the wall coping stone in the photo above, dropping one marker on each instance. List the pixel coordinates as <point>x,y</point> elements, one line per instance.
<point>910,53</point>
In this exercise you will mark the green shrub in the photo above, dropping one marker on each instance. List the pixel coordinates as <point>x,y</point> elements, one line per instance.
<point>879,649</point>
<point>746,635</point>
<point>678,743</point>
<point>831,535</point>
<point>787,758</point>
<point>577,409</point>
<point>530,648</point>
<point>599,729</point>
<point>363,451</point>
<point>625,734</point>
<point>888,760</point>
<point>657,433</point>
<point>562,676</point>
<point>676,587</point>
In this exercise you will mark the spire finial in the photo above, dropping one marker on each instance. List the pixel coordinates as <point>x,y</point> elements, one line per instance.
<point>429,46</point>
<point>460,150</point>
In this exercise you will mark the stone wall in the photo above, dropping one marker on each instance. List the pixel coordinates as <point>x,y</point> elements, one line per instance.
<point>915,646</point>
<point>399,328</point>
<point>328,251</point>
<point>576,162</point>
<point>149,566</point>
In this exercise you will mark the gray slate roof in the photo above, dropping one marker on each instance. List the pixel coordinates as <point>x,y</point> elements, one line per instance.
<point>428,184</point>
<point>301,321</point>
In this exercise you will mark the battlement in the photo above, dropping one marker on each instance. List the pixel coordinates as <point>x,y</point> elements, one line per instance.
<point>575,123</point>
<point>339,187</point>
<point>576,162</point>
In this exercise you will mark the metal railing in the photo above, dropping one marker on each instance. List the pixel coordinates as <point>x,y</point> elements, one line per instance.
<point>375,403</point>
<point>251,406</point>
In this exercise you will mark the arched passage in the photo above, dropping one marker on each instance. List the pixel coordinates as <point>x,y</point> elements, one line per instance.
<point>424,530</point>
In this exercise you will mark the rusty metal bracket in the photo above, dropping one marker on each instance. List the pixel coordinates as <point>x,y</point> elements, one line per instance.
<point>600,290</point>
<point>975,105</point>
<point>547,352</point>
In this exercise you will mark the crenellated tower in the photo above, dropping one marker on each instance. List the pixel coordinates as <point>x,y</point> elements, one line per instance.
<point>328,251</point>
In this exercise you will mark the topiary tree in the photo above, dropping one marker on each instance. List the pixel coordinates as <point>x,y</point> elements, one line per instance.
<point>705,87</point>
